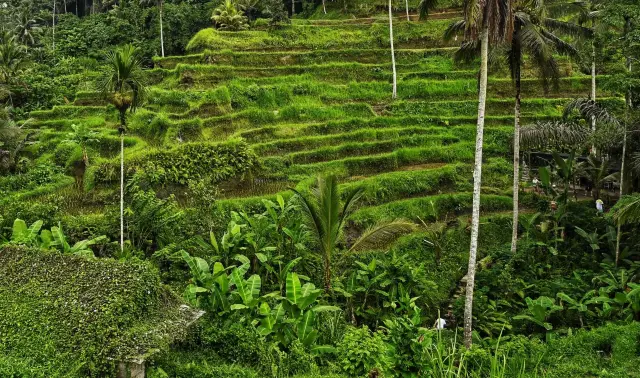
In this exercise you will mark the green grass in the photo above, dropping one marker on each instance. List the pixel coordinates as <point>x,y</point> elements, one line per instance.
<point>429,208</point>
<point>407,35</point>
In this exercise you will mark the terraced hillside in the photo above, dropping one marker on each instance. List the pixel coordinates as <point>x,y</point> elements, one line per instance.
<point>308,99</point>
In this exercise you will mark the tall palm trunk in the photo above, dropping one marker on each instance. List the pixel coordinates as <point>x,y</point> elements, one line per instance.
<point>593,90</point>
<point>516,145</point>
<point>123,121</point>
<point>53,17</point>
<point>161,28</point>
<point>477,177</point>
<point>327,274</point>
<point>293,7</point>
<point>324,7</point>
<point>407,6</point>
<point>393,54</point>
<point>627,108</point>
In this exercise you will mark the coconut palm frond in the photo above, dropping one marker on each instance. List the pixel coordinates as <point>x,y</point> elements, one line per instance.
<point>562,47</point>
<point>382,234</point>
<point>454,29</point>
<point>589,109</point>
<point>124,76</point>
<point>635,162</point>
<point>544,134</point>
<point>568,28</point>
<point>627,210</point>
<point>425,6</point>
<point>467,52</point>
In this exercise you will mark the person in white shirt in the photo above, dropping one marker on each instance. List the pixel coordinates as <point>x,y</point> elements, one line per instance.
<point>440,324</point>
<point>600,206</point>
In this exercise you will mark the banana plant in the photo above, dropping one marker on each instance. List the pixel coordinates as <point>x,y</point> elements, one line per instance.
<point>210,289</point>
<point>230,245</point>
<point>590,237</point>
<point>581,306</point>
<point>295,316</point>
<point>538,311</point>
<point>23,235</point>
<point>34,236</point>
<point>80,248</point>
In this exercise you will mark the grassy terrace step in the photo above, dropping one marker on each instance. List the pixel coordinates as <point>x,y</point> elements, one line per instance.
<point>296,58</point>
<point>239,93</point>
<point>65,124</point>
<point>386,162</point>
<point>406,34</point>
<point>284,146</point>
<point>288,131</point>
<point>205,75</point>
<point>433,68</point>
<point>429,208</point>
<point>352,149</point>
<point>409,135</point>
<point>69,111</point>
<point>530,107</point>
<point>409,181</point>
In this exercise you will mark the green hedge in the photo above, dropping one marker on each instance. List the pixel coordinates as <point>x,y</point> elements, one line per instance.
<point>63,315</point>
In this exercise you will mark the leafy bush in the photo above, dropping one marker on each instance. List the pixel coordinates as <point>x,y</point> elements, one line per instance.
<point>123,309</point>
<point>362,351</point>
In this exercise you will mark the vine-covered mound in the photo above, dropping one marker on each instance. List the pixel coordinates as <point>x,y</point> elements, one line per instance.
<point>64,315</point>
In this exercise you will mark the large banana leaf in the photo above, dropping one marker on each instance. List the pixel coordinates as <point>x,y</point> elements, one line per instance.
<point>308,295</point>
<point>293,288</point>
<point>306,333</point>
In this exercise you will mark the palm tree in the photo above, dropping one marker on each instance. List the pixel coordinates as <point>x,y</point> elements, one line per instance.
<point>27,27</point>
<point>326,217</point>
<point>596,171</point>
<point>228,17</point>
<point>425,6</point>
<point>12,57</point>
<point>539,44</point>
<point>586,15</point>
<point>123,84</point>
<point>530,37</point>
<point>13,138</point>
<point>393,54</point>
<point>490,22</point>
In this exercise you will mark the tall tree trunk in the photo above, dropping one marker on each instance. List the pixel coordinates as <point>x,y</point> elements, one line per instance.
<point>593,90</point>
<point>161,28</point>
<point>516,147</point>
<point>393,54</point>
<point>324,7</point>
<point>477,177</point>
<point>123,121</point>
<point>77,14</point>
<point>327,274</point>
<point>293,7</point>
<point>53,18</point>
<point>65,6</point>
<point>627,108</point>
<point>407,6</point>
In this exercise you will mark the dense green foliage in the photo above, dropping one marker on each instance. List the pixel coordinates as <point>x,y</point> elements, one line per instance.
<point>66,315</point>
<point>271,181</point>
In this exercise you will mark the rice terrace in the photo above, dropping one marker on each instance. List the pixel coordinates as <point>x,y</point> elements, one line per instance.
<point>319,188</point>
